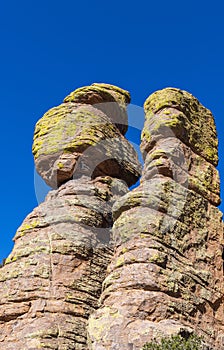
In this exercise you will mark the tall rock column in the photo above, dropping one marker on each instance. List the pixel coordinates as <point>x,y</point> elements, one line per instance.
<point>166,276</point>
<point>51,282</point>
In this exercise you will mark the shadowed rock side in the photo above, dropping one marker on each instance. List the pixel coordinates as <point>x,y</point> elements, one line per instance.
<point>166,274</point>
<point>52,280</point>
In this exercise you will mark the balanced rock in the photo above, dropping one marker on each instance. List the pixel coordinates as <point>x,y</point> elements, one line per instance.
<point>52,280</point>
<point>84,135</point>
<point>166,275</point>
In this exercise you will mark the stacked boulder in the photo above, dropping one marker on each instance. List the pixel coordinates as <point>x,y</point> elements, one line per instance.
<point>51,282</point>
<point>166,275</point>
<point>84,136</point>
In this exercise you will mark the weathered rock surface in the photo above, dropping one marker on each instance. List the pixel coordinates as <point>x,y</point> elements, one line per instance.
<point>110,99</point>
<point>166,274</point>
<point>162,269</point>
<point>173,111</point>
<point>84,135</point>
<point>52,280</point>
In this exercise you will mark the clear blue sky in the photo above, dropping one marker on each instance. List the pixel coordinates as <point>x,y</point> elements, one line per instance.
<point>49,48</point>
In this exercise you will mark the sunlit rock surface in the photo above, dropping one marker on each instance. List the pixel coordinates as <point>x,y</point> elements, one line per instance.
<point>52,280</point>
<point>166,274</point>
<point>99,267</point>
<point>84,135</point>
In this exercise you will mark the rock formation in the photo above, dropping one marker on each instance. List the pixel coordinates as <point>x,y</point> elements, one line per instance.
<point>52,280</point>
<point>166,275</point>
<point>69,283</point>
<point>84,135</point>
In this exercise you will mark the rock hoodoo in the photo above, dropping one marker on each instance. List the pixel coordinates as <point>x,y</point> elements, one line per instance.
<point>99,267</point>
<point>52,280</point>
<point>166,275</point>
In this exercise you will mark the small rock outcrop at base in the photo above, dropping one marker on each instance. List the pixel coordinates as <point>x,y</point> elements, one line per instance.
<point>97,266</point>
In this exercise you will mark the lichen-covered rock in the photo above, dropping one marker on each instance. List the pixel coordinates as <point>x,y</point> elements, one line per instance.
<point>173,111</point>
<point>171,157</point>
<point>110,99</point>
<point>77,137</point>
<point>51,281</point>
<point>166,274</point>
<point>162,269</point>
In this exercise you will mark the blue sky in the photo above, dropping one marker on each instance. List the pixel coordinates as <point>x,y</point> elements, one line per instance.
<point>49,48</point>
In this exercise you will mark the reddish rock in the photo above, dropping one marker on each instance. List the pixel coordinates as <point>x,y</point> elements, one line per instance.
<point>67,283</point>
<point>166,274</point>
<point>52,280</point>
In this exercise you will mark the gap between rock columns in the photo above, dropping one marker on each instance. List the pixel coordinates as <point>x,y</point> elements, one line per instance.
<point>51,282</point>
<point>166,275</point>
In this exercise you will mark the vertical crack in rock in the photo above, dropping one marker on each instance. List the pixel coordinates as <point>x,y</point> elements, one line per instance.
<point>52,280</point>
<point>166,274</point>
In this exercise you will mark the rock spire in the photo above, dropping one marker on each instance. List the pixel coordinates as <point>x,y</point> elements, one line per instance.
<point>52,280</point>
<point>99,267</point>
<point>166,274</point>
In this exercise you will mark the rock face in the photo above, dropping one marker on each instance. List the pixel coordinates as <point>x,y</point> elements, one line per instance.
<point>52,280</point>
<point>166,275</point>
<point>69,283</point>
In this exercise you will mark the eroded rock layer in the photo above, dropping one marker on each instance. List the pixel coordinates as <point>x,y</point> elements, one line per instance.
<point>166,274</point>
<point>162,271</point>
<point>84,135</point>
<point>52,280</point>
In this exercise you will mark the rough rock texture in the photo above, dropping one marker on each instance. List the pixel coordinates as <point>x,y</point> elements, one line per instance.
<point>172,111</point>
<point>67,283</point>
<point>84,135</point>
<point>166,274</point>
<point>52,280</point>
<point>110,99</point>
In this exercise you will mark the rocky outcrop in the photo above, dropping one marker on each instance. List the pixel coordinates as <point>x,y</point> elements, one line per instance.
<point>52,280</point>
<point>69,283</point>
<point>166,275</point>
